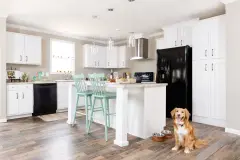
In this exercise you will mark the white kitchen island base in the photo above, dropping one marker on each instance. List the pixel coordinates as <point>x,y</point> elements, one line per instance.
<point>140,110</point>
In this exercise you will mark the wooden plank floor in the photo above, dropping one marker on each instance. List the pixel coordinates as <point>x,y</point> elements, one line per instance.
<point>34,139</point>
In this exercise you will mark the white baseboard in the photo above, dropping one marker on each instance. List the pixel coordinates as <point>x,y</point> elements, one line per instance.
<point>209,121</point>
<point>3,120</point>
<point>19,116</point>
<point>233,131</point>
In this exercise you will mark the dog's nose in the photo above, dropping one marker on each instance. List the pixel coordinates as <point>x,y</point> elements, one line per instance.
<point>178,115</point>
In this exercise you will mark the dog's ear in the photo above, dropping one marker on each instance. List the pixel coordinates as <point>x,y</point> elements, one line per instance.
<point>187,114</point>
<point>173,112</point>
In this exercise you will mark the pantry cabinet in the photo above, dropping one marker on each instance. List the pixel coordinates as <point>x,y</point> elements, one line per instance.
<point>19,100</point>
<point>209,72</point>
<point>209,39</point>
<point>23,49</point>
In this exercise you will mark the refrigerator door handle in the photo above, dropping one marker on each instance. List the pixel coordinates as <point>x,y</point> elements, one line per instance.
<point>205,67</point>
<point>212,66</point>
<point>205,52</point>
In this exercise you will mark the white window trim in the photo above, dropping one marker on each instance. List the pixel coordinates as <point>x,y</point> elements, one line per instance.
<point>50,63</point>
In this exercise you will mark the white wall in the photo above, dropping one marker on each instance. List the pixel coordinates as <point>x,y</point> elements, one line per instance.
<point>2,69</point>
<point>233,65</point>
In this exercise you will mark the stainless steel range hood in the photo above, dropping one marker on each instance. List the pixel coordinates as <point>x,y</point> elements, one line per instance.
<point>141,49</point>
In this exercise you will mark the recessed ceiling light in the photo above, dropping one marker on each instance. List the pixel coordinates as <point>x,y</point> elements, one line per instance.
<point>131,0</point>
<point>117,29</point>
<point>95,16</point>
<point>110,9</point>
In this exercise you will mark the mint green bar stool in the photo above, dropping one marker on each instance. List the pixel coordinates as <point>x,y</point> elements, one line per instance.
<point>99,92</point>
<point>82,91</point>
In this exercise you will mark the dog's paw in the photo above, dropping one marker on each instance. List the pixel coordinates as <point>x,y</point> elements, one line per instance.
<point>186,151</point>
<point>175,148</point>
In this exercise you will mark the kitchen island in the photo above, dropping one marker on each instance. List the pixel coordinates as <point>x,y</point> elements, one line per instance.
<point>140,110</point>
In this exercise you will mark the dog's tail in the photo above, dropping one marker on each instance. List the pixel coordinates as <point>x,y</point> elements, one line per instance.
<point>200,143</point>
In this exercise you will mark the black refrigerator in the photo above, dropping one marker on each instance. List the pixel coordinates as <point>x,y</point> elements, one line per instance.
<point>174,67</point>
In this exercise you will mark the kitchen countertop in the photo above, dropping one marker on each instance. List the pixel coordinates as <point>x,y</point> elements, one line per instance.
<point>22,83</point>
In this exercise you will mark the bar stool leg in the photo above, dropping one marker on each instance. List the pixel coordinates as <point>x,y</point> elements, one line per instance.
<point>86,111</point>
<point>74,117</point>
<point>91,114</point>
<point>105,117</point>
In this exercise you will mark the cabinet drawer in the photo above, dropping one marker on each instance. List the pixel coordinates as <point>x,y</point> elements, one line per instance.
<point>12,87</point>
<point>26,86</point>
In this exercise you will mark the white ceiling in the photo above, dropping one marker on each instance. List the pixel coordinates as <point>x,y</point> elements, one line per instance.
<point>75,16</point>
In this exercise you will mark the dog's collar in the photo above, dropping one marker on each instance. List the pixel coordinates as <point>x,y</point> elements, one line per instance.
<point>181,125</point>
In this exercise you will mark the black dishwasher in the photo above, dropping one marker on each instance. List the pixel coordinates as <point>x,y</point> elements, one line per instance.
<point>45,98</point>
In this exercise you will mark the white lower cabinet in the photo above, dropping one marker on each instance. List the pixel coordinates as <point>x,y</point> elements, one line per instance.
<point>209,92</point>
<point>62,96</point>
<point>12,103</point>
<point>19,100</point>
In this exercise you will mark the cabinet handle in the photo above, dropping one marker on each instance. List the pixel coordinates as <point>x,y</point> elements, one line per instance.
<point>17,95</point>
<point>181,42</point>
<point>205,53</point>
<point>20,57</point>
<point>212,52</point>
<point>108,63</point>
<point>22,95</point>
<point>95,63</point>
<point>212,66</point>
<point>205,67</point>
<point>26,58</point>
<point>175,43</point>
<point>98,63</point>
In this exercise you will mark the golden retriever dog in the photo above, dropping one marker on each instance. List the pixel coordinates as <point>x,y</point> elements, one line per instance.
<point>184,132</point>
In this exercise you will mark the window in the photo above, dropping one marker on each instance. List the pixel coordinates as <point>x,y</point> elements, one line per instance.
<point>62,57</point>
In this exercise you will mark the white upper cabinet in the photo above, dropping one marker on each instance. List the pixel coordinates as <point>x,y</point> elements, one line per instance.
<point>88,56</point>
<point>171,37</point>
<point>209,39</point>
<point>117,57</point>
<point>178,35</point>
<point>101,57</point>
<point>15,48</point>
<point>123,57</point>
<point>33,50</point>
<point>96,59</point>
<point>112,58</point>
<point>23,49</point>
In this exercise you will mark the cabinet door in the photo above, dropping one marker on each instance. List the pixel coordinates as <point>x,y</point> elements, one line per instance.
<point>88,56</point>
<point>200,37</point>
<point>218,37</point>
<point>101,57</point>
<point>62,95</point>
<point>25,101</point>
<point>15,48</point>
<point>171,36</point>
<point>218,89</point>
<point>112,58</point>
<point>33,50</point>
<point>202,89</point>
<point>12,103</point>
<point>123,57</point>
<point>185,36</point>
<point>161,43</point>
